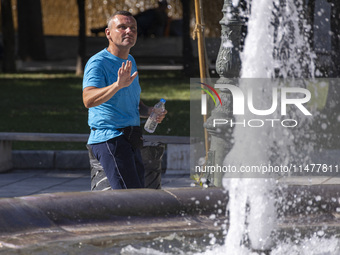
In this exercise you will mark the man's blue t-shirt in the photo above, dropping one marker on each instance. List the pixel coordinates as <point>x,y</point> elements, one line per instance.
<point>122,110</point>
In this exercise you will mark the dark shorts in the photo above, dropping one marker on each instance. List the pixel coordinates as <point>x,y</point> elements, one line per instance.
<point>122,164</point>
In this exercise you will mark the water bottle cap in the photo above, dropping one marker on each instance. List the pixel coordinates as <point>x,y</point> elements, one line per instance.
<point>163,100</point>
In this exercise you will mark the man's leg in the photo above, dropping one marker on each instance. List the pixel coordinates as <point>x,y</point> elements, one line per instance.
<point>118,160</point>
<point>99,181</point>
<point>140,167</point>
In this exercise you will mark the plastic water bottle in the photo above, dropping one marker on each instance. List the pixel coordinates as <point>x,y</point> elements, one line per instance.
<point>151,123</point>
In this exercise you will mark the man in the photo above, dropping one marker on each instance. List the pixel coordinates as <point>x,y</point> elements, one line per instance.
<point>111,91</point>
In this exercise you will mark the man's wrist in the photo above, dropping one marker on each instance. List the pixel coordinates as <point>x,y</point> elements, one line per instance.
<point>150,110</point>
<point>144,111</point>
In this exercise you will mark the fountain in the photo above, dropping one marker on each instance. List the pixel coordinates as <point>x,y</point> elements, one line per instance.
<point>276,46</point>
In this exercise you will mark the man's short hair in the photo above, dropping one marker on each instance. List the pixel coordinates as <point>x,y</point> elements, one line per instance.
<point>124,13</point>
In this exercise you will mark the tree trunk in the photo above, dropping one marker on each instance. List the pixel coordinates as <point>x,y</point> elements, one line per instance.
<point>81,38</point>
<point>8,37</point>
<point>30,30</point>
<point>335,39</point>
<point>310,19</point>
<point>188,57</point>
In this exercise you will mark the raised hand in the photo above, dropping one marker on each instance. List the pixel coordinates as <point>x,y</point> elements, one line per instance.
<point>124,75</point>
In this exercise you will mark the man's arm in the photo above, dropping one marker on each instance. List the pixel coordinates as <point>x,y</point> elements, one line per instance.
<point>145,111</point>
<point>93,96</point>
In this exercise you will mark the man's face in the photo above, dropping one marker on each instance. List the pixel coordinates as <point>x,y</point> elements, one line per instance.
<point>122,31</point>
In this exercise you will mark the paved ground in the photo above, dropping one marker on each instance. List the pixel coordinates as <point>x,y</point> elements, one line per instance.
<point>29,182</point>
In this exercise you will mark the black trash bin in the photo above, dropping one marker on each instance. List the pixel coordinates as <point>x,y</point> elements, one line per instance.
<point>152,154</point>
